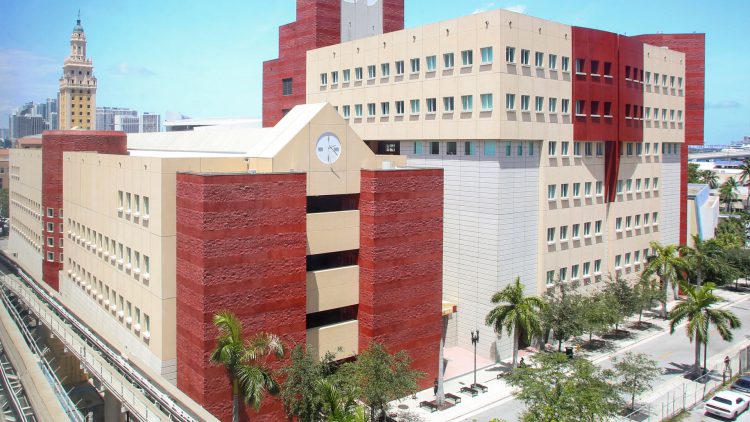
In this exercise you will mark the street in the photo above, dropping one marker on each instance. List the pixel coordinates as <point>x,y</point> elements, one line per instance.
<point>674,354</point>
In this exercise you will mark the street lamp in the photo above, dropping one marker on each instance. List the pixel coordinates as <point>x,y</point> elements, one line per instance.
<point>474,341</point>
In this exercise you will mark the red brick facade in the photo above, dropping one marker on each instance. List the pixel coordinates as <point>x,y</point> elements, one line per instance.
<point>241,247</point>
<point>318,25</point>
<point>401,261</point>
<point>54,144</point>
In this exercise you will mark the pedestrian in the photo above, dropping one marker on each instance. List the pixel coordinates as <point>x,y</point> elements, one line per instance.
<point>522,363</point>
<point>435,388</point>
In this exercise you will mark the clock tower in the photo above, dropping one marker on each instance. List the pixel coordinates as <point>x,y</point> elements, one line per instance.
<point>77,96</point>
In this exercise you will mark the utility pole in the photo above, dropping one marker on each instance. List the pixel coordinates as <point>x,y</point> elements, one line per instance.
<point>474,341</point>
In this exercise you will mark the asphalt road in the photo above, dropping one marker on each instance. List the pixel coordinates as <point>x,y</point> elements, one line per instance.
<point>674,354</point>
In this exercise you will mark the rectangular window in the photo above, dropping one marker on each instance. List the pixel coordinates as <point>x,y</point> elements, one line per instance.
<point>371,72</point>
<point>138,203</point>
<point>399,108</point>
<point>580,108</point>
<point>576,231</point>
<point>286,87</point>
<point>646,183</point>
<point>451,148</point>
<point>448,60</point>
<point>414,106</point>
<point>486,102</point>
<point>434,148</point>
<point>385,108</point>
<point>618,224</point>
<point>128,201</point>
<point>470,148</point>
<point>385,70</point>
<point>489,148</point>
<point>618,262</point>
<point>586,269</point>
<point>563,273</point>
<point>323,79</point>
<point>508,149</point>
<point>525,54</point>
<point>629,148</point>
<point>431,105</point>
<point>656,183</point>
<point>594,67</point>
<point>580,66</point>
<point>448,104</point>
<point>576,149</point>
<point>539,59</point>
<point>589,149</point>
<point>431,63</point>
<point>587,229</point>
<point>565,64</point>
<point>550,278</point>
<point>370,109</point>
<point>346,74</point>
<point>619,186</point>
<point>51,227</point>
<point>51,256</point>
<point>358,110</point>
<point>655,218</point>
<point>414,65</point>
<point>576,190</point>
<point>346,110</point>
<point>563,233</point>
<point>628,222</point>
<point>552,61</point>
<point>598,227</point>
<point>552,148</point>
<point>627,73</point>
<point>334,77</point>
<point>587,189</point>
<point>551,189</point>
<point>519,149</point>
<point>563,191</point>
<point>645,218</point>
<point>636,257</point>
<point>671,81</point>
<point>595,109</point>
<point>637,221</point>
<point>637,185</point>
<point>565,106</point>
<point>539,104</point>
<point>647,81</point>
<point>418,148</point>
<point>597,266</point>
<point>467,103</point>
<point>564,148</point>
<point>486,55</point>
<point>531,148</point>
<point>399,67</point>
<point>525,102</point>
<point>510,101</point>
<point>510,54</point>
<point>358,74</point>
<point>574,272</point>
<point>467,57</point>
<point>552,105</point>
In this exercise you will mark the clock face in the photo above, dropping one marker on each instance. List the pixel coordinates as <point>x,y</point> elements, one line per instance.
<point>328,148</point>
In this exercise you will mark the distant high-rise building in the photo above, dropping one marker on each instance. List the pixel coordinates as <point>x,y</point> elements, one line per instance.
<point>150,122</point>
<point>105,116</point>
<point>127,124</point>
<point>4,133</point>
<point>25,121</point>
<point>77,98</point>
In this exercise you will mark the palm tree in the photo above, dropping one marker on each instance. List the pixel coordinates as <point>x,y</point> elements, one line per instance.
<point>728,192</point>
<point>710,178</point>
<point>745,171</point>
<point>697,310</point>
<point>704,255</point>
<point>665,263</point>
<point>243,360</point>
<point>340,403</point>
<point>518,312</point>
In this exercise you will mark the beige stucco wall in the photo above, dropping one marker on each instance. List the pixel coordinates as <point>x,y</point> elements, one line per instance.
<point>662,61</point>
<point>25,197</point>
<point>496,29</point>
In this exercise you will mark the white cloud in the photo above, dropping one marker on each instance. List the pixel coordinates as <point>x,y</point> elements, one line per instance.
<point>125,69</point>
<point>723,104</point>
<point>484,8</point>
<point>518,8</point>
<point>25,76</point>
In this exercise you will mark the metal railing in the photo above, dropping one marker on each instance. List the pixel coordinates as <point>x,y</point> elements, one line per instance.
<point>141,397</point>
<point>689,393</point>
<point>14,392</point>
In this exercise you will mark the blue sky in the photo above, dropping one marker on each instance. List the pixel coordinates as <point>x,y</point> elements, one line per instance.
<point>204,58</point>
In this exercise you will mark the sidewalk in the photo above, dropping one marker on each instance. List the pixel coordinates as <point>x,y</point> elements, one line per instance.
<point>498,391</point>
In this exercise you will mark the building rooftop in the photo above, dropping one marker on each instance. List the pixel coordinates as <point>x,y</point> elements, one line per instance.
<point>694,189</point>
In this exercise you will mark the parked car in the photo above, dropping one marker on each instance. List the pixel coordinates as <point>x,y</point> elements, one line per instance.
<point>727,404</point>
<point>742,385</point>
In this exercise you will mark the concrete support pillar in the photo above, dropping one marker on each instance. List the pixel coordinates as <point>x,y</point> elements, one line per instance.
<point>112,408</point>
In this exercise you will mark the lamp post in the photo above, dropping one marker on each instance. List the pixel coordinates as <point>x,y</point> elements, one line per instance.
<point>474,341</point>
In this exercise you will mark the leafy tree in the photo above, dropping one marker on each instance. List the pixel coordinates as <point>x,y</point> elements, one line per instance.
<point>623,301</point>
<point>698,310</point>
<point>703,256</point>
<point>244,361</point>
<point>560,389</point>
<point>516,313</point>
<point>728,193</point>
<point>694,173</point>
<point>563,314</point>
<point>647,294</point>
<point>739,260</point>
<point>710,178</point>
<point>381,377</point>
<point>666,264</point>
<point>4,203</point>
<point>745,171</point>
<point>301,394</point>
<point>339,402</point>
<point>730,233</point>
<point>597,313</point>
<point>636,372</point>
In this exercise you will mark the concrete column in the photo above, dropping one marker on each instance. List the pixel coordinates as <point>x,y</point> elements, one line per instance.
<point>112,407</point>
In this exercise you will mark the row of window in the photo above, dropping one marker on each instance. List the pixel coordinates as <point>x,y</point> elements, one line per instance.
<point>130,204</point>
<point>575,232</point>
<point>638,258</point>
<point>634,222</point>
<point>577,272</point>
<point>626,185</point>
<point>431,65</point>
<point>124,257</point>
<point>27,205</point>
<point>565,193</point>
<point>109,299</point>
<point>26,233</point>
<point>632,73</point>
<point>490,148</point>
